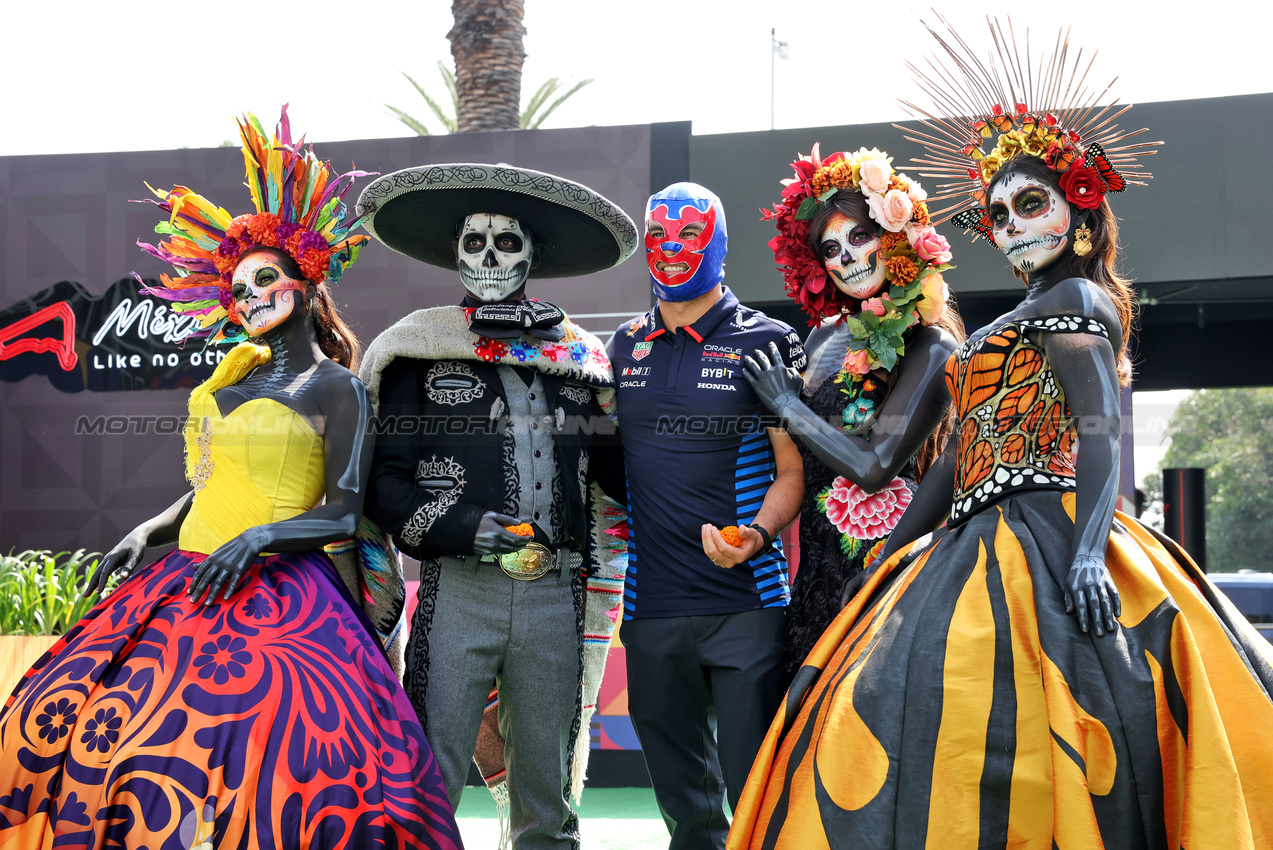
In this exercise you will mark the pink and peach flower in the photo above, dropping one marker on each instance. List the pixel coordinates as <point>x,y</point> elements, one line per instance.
<point>863,515</point>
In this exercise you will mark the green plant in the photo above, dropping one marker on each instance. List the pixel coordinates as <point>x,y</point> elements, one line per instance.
<point>532,116</point>
<point>42,593</point>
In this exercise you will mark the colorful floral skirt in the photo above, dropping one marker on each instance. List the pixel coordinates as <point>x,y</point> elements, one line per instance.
<point>953,703</point>
<point>270,721</point>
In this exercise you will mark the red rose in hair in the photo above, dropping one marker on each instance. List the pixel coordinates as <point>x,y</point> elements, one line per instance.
<point>1082,186</point>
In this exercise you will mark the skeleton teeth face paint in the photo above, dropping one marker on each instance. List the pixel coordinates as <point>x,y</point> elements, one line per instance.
<point>494,256</point>
<point>850,252</point>
<point>1030,221</point>
<point>264,295</point>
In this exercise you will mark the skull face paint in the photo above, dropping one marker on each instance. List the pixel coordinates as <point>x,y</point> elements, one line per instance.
<point>264,295</point>
<point>685,241</point>
<point>1029,220</point>
<point>850,252</point>
<point>494,256</point>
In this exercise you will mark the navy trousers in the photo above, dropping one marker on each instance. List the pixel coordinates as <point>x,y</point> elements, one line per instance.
<point>702,692</point>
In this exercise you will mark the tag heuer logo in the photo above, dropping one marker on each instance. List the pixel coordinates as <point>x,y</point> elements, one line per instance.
<point>641,350</point>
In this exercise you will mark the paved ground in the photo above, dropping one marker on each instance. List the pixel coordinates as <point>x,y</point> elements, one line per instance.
<point>610,819</point>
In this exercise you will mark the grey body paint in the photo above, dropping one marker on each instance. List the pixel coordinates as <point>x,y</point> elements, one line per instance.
<point>352,477</point>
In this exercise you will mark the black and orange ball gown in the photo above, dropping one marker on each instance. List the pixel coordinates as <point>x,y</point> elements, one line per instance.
<point>954,704</point>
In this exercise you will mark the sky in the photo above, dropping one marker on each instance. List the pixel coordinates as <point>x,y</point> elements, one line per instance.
<point>133,75</point>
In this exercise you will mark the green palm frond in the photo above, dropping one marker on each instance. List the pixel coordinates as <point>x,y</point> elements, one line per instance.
<point>532,118</point>
<point>411,122</point>
<point>537,108</point>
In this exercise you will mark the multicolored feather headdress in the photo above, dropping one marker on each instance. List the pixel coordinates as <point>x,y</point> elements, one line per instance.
<point>299,210</point>
<point>1043,110</point>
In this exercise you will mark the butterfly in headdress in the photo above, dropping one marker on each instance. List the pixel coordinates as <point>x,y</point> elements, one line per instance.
<point>973,218</point>
<point>1095,158</point>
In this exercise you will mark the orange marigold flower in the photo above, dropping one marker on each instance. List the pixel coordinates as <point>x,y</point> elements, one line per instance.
<point>920,215</point>
<point>237,225</point>
<point>314,265</point>
<point>261,229</point>
<point>842,176</point>
<point>293,243</point>
<point>890,240</point>
<point>522,529</point>
<point>225,264</point>
<point>902,269</point>
<point>731,536</point>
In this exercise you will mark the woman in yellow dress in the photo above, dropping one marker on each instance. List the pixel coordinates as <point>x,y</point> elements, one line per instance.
<point>232,693</point>
<point>1041,670</point>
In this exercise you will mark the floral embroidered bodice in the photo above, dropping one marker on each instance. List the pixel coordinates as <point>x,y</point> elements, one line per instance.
<point>1016,432</point>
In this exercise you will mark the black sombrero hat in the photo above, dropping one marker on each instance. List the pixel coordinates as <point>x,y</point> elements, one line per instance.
<point>416,211</point>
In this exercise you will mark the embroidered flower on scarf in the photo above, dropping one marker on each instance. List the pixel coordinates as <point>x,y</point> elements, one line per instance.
<point>862,515</point>
<point>857,411</point>
<point>523,351</point>
<point>490,350</point>
<point>555,353</point>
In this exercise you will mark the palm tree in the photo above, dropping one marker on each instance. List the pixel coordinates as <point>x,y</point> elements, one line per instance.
<point>536,110</point>
<point>486,44</point>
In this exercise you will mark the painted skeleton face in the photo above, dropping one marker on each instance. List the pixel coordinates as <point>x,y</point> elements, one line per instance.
<point>850,252</point>
<point>685,241</point>
<point>1030,221</point>
<point>264,295</point>
<point>494,256</point>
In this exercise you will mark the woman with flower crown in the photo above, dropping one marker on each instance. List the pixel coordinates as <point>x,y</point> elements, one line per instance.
<point>860,256</point>
<point>233,694</point>
<point>1041,671</point>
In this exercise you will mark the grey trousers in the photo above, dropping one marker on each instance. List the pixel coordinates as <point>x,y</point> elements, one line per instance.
<point>488,629</point>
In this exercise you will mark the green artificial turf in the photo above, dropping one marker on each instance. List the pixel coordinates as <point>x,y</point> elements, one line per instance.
<point>620,803</point>
<point>609,819</point>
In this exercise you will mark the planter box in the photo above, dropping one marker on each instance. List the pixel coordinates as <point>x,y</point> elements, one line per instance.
<point>17,654</point>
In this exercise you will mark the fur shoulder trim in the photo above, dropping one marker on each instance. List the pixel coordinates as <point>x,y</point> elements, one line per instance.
<point>442,333</point>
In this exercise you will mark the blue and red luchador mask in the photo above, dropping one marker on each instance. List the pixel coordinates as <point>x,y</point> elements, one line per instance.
<point>685,241</point>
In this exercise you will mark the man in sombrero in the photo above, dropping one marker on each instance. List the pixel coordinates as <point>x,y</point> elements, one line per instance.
<point>492,416</point>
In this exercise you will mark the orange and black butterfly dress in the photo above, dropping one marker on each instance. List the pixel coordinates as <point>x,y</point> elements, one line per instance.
<point>954,703</point>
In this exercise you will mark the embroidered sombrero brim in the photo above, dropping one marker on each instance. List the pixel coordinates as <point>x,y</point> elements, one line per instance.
<point>416,212</point>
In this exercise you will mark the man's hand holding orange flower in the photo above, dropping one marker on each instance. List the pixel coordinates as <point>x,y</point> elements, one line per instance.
<point>750,541</point>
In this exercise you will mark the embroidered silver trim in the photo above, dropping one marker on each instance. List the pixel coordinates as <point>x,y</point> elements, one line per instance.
<point>453,383</point>
<point>445,479</point>
<point>577,394</point>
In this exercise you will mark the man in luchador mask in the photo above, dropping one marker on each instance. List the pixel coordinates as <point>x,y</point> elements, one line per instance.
<point>703,613</point>
<point>491,414</point>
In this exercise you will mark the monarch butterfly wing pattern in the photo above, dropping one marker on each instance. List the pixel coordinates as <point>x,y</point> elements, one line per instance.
<point>983,376</point>
<point>1095,157</point>
<point>972,219</point>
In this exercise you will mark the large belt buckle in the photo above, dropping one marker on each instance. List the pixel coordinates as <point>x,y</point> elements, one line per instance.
<point>527,564</point>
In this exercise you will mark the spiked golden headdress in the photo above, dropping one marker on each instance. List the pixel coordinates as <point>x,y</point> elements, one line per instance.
<point>987,113</point>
